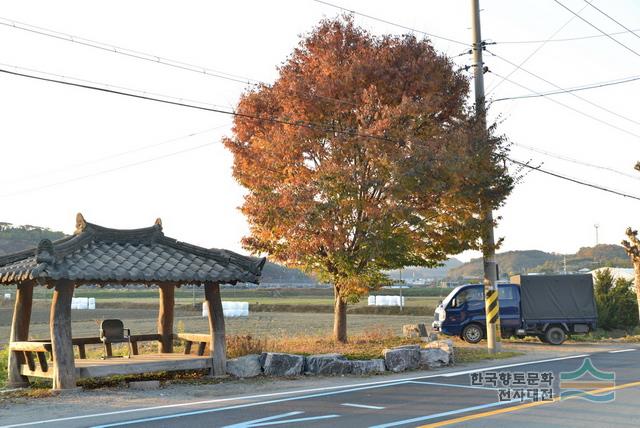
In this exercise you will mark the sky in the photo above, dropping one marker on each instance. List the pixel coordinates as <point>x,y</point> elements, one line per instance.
<point>123,162</point>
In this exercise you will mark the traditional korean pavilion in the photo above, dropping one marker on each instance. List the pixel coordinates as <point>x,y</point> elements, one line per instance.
<point>96,255</point>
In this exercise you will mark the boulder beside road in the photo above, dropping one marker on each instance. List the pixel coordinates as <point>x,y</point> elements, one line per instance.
<point>432,358</point>
<point>362,367</point>
<point>402,358</point>
<point>278,364</point>
<point>246,366</point>
<point>327,364</point>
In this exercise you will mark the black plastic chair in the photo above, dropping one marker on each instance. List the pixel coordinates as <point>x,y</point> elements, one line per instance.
<point>113,331</point>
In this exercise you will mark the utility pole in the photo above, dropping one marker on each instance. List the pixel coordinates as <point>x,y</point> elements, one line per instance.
<point>596,226</point>
<point>400,289</point>
<point>492,308</point>
<point>564,262</point>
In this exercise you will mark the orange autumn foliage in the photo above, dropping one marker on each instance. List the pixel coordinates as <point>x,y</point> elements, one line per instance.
<point>329,198</point>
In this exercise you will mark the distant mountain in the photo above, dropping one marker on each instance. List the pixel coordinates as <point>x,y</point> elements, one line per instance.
<point>278,274</point>
<point>417,273</point>
<point>18,238</point>
<point>528,261</point>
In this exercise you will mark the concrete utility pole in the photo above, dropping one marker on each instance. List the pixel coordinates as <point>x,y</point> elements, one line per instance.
<point>492,307</point>
<point>596,226</point>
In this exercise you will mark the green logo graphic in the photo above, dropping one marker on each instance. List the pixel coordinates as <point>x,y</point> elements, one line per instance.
<point>588,382</point>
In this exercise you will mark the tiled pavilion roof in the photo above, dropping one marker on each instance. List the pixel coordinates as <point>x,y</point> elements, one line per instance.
<point>96,254</point>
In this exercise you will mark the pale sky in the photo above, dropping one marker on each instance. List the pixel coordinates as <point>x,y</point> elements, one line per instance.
<point>58,143</point>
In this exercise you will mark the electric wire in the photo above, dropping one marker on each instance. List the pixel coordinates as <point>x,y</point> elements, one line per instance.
<point>576,161</point>
<point>573,89</point>
<point>384,21</point>
<point>105,171</point>
<point>115,155</point>
<point>597,28</point>
<point>590,116</point>
<point>299,123</point>
<point>613,19</point>
<point>302,124</point>
<point>535,51</point>
<point>573,180</point>
<point>598,106</point>
<point>565,39</point>
<point>146,56</point>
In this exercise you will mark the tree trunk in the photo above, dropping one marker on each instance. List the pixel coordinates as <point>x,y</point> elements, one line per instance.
<point>19,333</point>
<point>217,346</point>
<point>636,267</point>
<point>339,318</point>
<point>64,367</point>
<point>165,317</point>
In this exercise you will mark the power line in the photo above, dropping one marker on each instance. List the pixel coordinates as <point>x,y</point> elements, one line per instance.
<point>573,89</point>
<point>603,32</point>
<point>109,86</point>
<point>597,119</point>
<point>46,186</point>
<point>535,51</point>
<point>117,155</point>
<point>299,123</point>
<point>573,180</point>
<point>565,39</point>
<point>613,19</point>
<point>568,92</point>
<point>124,51</point>
<point>577,161</point>
<point>302,124</point>
<point>146,56</point>
<point>384,21</point>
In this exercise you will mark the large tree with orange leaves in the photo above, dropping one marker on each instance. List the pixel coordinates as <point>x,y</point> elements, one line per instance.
<point>362,157</point>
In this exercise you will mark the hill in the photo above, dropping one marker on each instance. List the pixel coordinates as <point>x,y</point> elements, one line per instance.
<point>527,261</point>
<point>17,238</point>
<point>416,273</point>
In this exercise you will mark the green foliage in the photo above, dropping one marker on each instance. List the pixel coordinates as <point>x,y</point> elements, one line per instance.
<point>4,358</point>
<point>616,302</point>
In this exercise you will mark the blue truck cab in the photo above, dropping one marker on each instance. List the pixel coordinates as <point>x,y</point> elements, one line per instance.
<point>552,309</point>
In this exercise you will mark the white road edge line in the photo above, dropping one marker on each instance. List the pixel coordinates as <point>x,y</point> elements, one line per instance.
<point>268,418</point>
<point>621,350</point>
<point>290,421</point>
<point>276,394</point>
<point>363,406</point>
<point>449,413</point>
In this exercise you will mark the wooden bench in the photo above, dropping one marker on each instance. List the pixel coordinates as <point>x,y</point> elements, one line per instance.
<point>25,352</point>
<point>203,340</point>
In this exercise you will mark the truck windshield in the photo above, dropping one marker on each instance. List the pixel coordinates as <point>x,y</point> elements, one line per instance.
<point>450,296</point>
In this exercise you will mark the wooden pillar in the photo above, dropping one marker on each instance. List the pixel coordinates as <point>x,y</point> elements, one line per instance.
<point>165,317</point>
<point>64,367</point>
<point>20,332</point>
<point>217,346</point>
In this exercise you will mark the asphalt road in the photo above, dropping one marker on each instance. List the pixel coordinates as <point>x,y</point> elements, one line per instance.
<point>438,399</point>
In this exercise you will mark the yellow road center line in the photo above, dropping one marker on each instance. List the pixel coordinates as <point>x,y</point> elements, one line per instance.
<point>525,406</point>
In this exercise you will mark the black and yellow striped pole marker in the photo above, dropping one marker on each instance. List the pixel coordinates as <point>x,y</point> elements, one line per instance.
<point>492,310</point>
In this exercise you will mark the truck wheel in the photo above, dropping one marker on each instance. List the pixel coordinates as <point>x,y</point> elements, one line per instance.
<point>555,335</point>
<point>472,333</point>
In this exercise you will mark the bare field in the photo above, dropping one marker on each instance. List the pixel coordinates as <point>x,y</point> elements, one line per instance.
<point>257,324</point>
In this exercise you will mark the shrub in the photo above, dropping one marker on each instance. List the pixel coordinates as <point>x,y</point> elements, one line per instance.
<point>4,358</point>
<point>616,302</point>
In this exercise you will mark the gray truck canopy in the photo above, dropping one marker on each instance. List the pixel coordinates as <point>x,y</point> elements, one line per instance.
<point>545,297</point>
